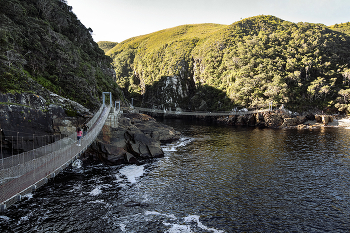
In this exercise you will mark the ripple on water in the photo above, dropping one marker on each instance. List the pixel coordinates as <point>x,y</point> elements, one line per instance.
<point>216,179</point>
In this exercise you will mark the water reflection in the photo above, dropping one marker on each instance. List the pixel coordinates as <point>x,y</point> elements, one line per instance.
<point>268,179</point>
<point>215,179</point>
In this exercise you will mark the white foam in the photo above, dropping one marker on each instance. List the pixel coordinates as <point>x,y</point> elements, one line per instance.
<point>176,228</point>
<point>76,187</point>
<point>195,218</point>
<point>97,202</point>
<point>23,219</point>
<point>171,216</point>
<point>174,146</point>
<point>118,178</point>
<point>96,191</point>
<point>29,196</point>
<point>182,225</point>
<point>5,218</point>
<point>132,172</point>
<point>77,163</point>
<point>122,227</point>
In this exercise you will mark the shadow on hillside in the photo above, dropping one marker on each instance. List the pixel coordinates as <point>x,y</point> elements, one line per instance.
<point>172,93</point>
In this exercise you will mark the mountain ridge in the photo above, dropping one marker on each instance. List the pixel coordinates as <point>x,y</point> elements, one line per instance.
<point>249,63</point>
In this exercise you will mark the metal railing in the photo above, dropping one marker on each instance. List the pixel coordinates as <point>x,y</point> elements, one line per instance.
<point>27,170</point>
<point>169,112</point>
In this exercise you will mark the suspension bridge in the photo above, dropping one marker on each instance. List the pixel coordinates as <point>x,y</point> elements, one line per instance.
<point>24,173</point>
<point>194,113</point>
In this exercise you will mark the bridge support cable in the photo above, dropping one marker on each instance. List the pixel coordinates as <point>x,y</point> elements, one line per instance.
<point>24,172</point>
<point>184,113</point>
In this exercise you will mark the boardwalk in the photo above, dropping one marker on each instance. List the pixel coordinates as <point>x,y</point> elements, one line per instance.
<point>23,173</point>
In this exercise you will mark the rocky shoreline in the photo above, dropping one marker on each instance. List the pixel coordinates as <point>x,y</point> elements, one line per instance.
<point>137,139</point>
<point>285,119</point>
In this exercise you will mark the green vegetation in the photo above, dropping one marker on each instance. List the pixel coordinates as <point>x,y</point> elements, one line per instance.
<point>106,45</point>
<point>43,46</point>
<point>249,63</point>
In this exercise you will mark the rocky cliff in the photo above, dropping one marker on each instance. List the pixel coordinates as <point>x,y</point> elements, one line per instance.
<point>43,45</point>
<point>137,138</point>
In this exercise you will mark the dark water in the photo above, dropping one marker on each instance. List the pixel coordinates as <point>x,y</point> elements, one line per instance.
<point>215,179</point>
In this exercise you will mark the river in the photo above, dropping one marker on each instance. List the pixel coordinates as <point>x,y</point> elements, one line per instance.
<point>215,179</point>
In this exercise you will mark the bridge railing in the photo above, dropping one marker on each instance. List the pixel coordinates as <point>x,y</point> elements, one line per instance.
<point>20,172</point>
<point>197,113</point>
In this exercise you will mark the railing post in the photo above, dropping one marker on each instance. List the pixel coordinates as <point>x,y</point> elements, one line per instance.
<point>104,98</point>
<point>110,99</point>
<point>23,150</point>
<point>17,142</point>
<point>115,105</point>
<point>2,156</point>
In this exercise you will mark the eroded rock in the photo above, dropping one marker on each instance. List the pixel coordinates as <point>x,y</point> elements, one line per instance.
<point>137,137</point>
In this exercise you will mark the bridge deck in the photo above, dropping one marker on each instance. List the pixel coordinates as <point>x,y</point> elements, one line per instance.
<point>184,113</point>
<point>23,173</point>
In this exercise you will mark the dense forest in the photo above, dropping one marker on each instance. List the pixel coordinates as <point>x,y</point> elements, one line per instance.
<point>249,63</point>
<point>43,45</point>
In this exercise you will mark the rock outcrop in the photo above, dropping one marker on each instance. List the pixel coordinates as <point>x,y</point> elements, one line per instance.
<point>30,121</point>
<point>137,138</point>
<point>275,119</point>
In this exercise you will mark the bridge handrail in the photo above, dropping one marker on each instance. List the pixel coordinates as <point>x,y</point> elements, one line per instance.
<point>38,152</point>
<point>196,113</point>
<point>19,177</point>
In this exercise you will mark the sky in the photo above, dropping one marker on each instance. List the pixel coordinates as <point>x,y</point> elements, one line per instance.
<point>118,20</point>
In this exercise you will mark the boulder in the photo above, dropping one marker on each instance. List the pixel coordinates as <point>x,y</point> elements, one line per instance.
<point>137,137</point>
<point>273,120</point>
<point>131,159</point>
<point>324,119</point>
<point>241,120</point>
<point>156,151</point>
<point>294,121</point>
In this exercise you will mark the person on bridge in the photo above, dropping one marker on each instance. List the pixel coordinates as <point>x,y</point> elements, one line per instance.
<point>79,134</point>
<point>85,129</point>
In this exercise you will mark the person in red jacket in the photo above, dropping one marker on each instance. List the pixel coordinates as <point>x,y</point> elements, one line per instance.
<point>79,135</point>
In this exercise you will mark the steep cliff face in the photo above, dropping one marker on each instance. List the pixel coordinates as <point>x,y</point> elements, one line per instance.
<point>43,45</point>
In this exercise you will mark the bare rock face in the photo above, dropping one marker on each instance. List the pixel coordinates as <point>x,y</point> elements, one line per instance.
<point>138,137</point>
<point>30,121</point>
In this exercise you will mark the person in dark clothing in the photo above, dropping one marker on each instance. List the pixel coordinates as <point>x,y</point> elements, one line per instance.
<point>85,129</point>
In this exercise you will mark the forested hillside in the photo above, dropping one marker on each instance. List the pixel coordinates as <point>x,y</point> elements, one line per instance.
<point>247,64</point>
<point>43,45</point>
